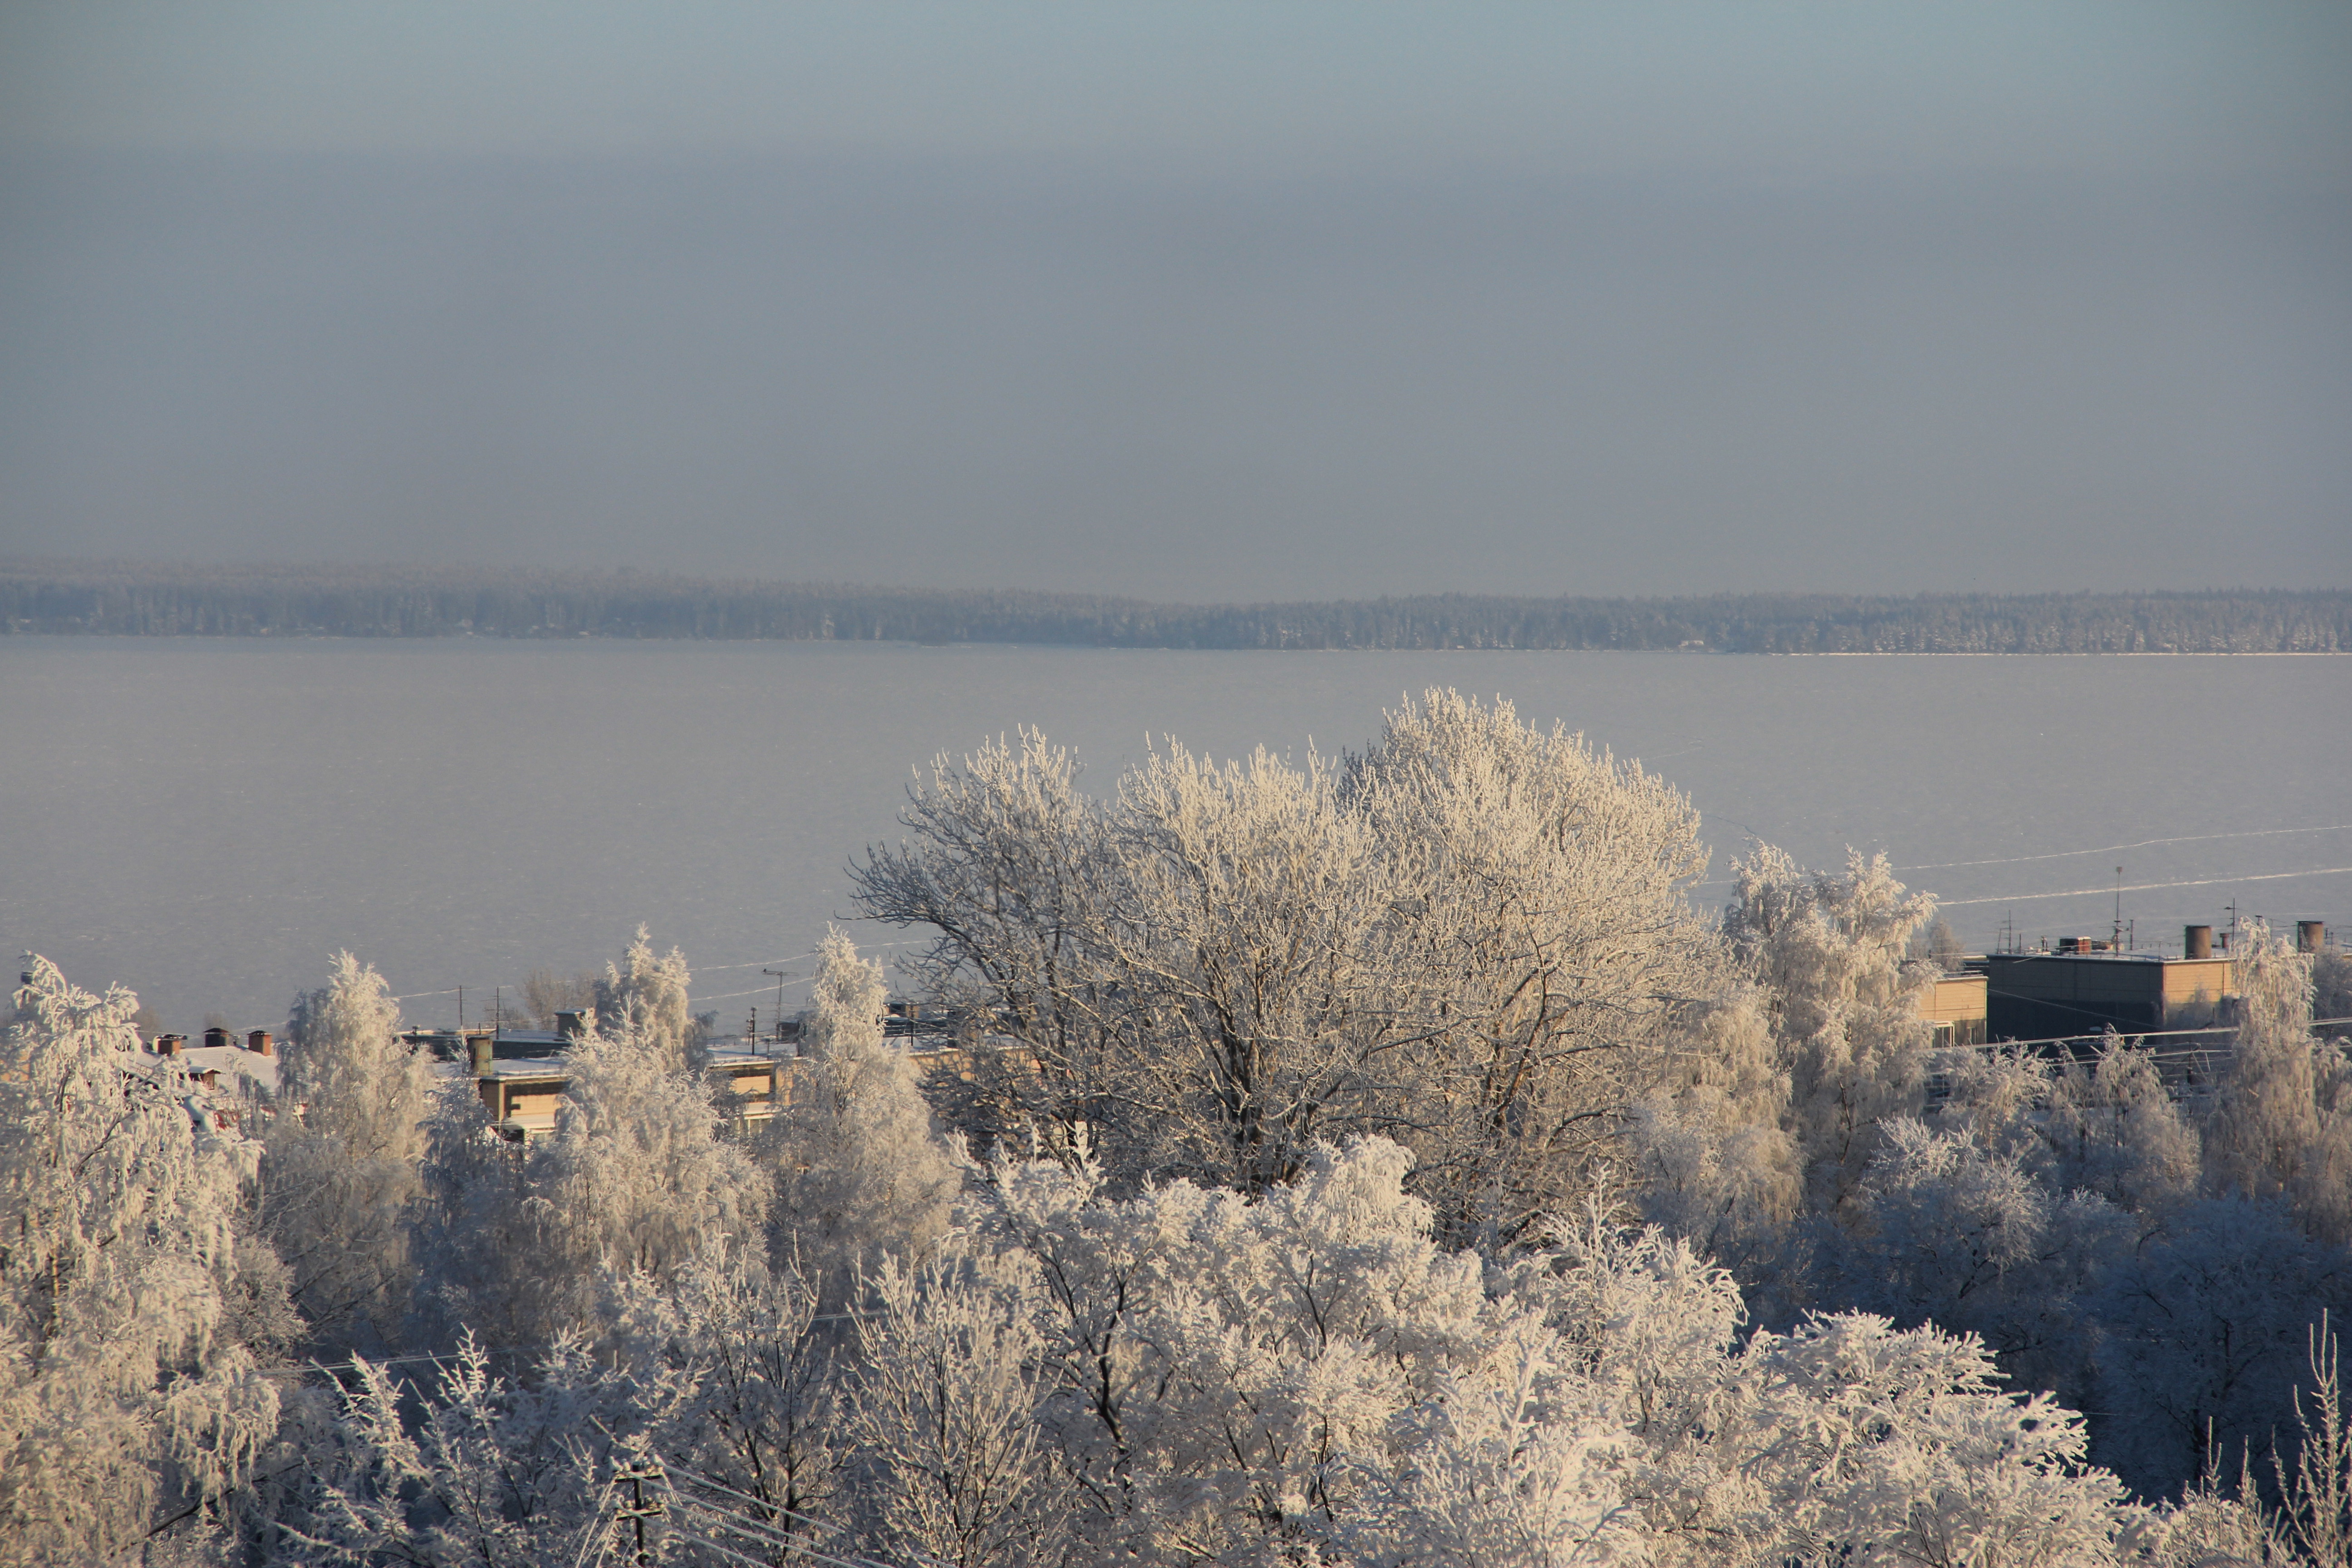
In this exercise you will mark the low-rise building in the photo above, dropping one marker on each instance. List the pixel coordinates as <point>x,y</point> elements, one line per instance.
<point>523,1093</point>
<point>237,1081</point>
<point>1955,1004</point>
<point>2083,987</point>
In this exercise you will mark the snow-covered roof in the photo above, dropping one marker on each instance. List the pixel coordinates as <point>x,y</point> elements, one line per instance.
<point>227,1064</point>
<point>550,1066</point>
<point>227,1061</point>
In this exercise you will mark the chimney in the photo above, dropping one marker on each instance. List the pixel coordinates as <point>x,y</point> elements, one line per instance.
<point>257,1041</point>
<point>481,1047</point>
<point>217,1036</point>
<point>2310,936</point>
<point>169,1045</point>
<point>2197,942</point>
<point>571,1023</point>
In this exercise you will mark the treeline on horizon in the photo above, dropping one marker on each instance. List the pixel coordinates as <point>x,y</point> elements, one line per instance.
<point>165,600</point>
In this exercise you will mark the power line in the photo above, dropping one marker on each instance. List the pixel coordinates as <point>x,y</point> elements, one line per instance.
<point>2147,886</point>
<point>2101,849</point>
<point>2110,849</point>
<point>696,969</point>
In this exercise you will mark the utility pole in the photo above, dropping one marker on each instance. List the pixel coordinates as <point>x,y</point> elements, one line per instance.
<point>780,974</point>
<point>2116,942</point>
<point>636,1475</point>
<point>461,1012</point>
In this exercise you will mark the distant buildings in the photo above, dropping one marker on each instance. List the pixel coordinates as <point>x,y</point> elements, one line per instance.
<point>234,1079</point>
<point>1955,1006</point>
<point>2081,989</point>
<point>519,1074</point>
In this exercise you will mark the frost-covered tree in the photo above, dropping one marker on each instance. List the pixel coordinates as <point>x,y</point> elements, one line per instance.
<point>1221,1365</point>
<point>2282,1118</point>
<point>946,1412</point>
<point>2202,1334</point>
<point>637,1170</point>
<point>1309,1371</point>
<point>1951,1230</point>
<point>2113,1128</point>
<point>644,998</point>
<point>2331,984</point>
<point>756,1372</point>
<point>637,1173</point>
<point>124,1380</point>
<point>1535,887</point>
<point>858,1168</point>
<point>546,994</point>
<point>341,1155</point>
<point>473,1222</point>
<point>1712,1155</point>
<point>1498,1474</point>
<point>1828,951</point>
<point>1470,939</point>
<point>490,1473</point>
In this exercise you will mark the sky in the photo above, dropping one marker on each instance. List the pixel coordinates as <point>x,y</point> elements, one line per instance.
<point>1196,301</point>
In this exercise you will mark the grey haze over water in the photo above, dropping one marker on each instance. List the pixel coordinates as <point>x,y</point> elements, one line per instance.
<point>206,821</point>
<point>1197,302</point>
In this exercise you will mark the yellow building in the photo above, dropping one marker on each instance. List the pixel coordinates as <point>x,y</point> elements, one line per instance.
<point>1956,1005</point>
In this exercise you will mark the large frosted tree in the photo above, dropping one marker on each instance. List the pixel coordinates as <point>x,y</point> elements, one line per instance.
<point>644,997</point>
<point>1470,939</point>
<point>638,1172</point>
<point>1828,951</point>
<point>343,1153</point>
<point>1309,1376</point>
<point>123,1378</point>
<point>2282,1116</point>
<point>858,1168</point>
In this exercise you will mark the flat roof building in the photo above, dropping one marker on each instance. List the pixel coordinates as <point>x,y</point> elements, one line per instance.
<point>2085,988</point>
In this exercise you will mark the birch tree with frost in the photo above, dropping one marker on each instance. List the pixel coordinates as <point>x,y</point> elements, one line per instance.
<point>1308,1375</point>
<point>637,1172</point>
<point>122,1381</point>
<point>488,1472</point>
<point>1470,939</point>
<point>341,1155</point>
<point>1829,951</point>
<point>645,998</point>
<point>758,1375</point>
<point>2282,1118</point>
<point>858,1168</point>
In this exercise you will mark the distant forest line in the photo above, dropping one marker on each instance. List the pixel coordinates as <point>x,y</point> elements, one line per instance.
<point>156,600</point>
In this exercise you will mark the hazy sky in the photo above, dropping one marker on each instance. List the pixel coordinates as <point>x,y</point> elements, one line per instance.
<point>1189,301</point>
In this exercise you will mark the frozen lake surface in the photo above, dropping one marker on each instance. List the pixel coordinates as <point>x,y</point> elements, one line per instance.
<point>206,821</point>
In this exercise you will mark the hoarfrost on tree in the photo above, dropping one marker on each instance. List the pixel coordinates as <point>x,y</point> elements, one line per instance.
<point>858,1166</point>
<point>341,1155</point>
<point>122,1379</point>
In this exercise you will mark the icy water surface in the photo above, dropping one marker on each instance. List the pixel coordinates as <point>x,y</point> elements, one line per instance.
<point>207,821</point>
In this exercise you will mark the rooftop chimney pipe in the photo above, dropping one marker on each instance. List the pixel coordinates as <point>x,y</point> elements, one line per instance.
<point>2310,936</point>
<point>257,1041</point>
<point>2197,942</point>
